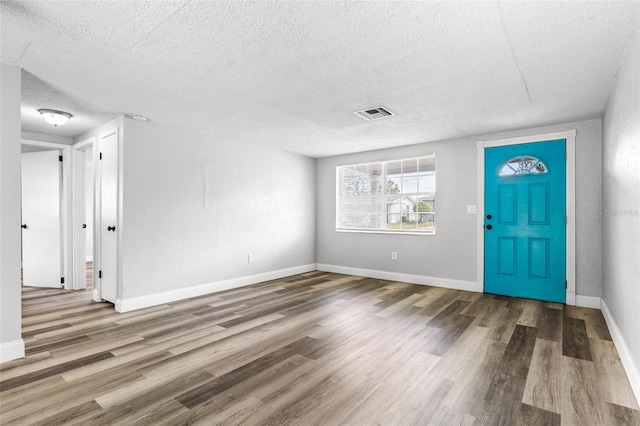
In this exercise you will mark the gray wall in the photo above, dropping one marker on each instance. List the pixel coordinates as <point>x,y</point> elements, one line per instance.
<point>451,253</point>
<point>621,200</point>
<point>195,207</point>
<point>10,307</point>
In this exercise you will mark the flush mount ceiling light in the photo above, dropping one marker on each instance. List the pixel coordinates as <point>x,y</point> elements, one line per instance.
<point>139,117</point>
<point>55,117</point>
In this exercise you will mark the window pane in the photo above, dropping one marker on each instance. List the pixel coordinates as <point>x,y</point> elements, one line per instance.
<point>394,177</point>
<point>407,205</point>
<point>375,177</point>
<point>427,164</point>
<point>410,166</point>
<point>427,183</point>
<point>409,185</point>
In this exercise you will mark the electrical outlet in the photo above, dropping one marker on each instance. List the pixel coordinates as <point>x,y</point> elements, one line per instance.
<point>250,258</point>
<point>394,255</point>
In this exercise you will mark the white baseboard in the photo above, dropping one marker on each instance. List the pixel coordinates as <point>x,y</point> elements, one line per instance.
<point>11,350</point>
<point>134,303</point>
<point>398,276</point>
<point>588,301</point>
<point>629,364</point>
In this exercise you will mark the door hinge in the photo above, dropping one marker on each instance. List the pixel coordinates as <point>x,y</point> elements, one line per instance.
<point>565,156</point>
<point>565,284</point>
<point>60,158</point>
<point>99,274</point>
<point>565,220</point>
<point>61,280</point>
<point>101,156</point>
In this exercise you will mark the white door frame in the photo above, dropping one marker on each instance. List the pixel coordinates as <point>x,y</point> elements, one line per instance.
<point>79,241</point>
<point>570,136</point>
<point>66,206</point>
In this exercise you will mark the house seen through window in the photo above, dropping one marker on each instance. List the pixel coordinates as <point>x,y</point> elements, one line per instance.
<point>387,196</point>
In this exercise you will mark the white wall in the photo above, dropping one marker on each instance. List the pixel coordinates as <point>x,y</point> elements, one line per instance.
<point>195,207</point>
<point>621,205</point>
<point>11,344</point>
<point>451,253</point>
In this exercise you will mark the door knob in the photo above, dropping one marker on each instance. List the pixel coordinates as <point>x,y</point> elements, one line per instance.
<point>111,228</point>
<point>489,216</point>
<point>84,225</point>
<point>24,226</point>
<point>489,227</point>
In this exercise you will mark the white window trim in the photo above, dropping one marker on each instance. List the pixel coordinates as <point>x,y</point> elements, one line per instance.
<point>376,231</point>
<point>570,137</point>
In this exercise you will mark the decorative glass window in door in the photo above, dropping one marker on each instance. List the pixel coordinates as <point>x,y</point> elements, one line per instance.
<point>523,165</point>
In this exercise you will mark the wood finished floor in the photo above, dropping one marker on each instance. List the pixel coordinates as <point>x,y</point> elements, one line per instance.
<point>316,348</point>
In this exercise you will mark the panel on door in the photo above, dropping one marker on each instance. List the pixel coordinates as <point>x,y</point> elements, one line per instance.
<point>108,213</point>
<point>525,202</point>
<point>41,230</point>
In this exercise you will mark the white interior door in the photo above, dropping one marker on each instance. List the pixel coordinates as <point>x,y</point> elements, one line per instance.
<point>108,212</point>
<point>41,233</point>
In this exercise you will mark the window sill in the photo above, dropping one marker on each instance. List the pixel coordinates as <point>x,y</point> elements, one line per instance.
<point>376,231</point>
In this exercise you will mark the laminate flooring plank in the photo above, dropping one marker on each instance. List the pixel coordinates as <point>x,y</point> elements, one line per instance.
<point>575,342</point>
<point>246,350</point>
<point>550,324</point>
<point>264,381</point>
<point>50,401</point>
<point>154,397</point>
<point>43,330</point>
<point>581,402</point>
<point>507,386</point>
<point>34,348</point>
<point>610,374</point>
<point>433,412</point>
<point>237,414</point>
<point>223,334</point>
<point>29,359</point>
<point>52,371</point>
<point>623,415</point>
<point>133,361</point>
<point>531,312</point>
<point>543,388</point>
<point>392,392</point>
<point>400,305</point>
<point>464,351</point>
<point>394,296</point>
<point>468,392</point>
<point>442,342</point>
<point>152,415</point>
<point>596,325</point>
<point>78,413</point>
<point>14,398</point>
<point>220,384</point>
<point>529,415</point>
<point>433,306</point>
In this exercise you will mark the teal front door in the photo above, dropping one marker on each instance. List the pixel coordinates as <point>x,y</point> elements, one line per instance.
<point>525,208</point>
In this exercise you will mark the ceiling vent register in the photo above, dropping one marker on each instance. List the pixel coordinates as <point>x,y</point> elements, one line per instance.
<point>374,113</point>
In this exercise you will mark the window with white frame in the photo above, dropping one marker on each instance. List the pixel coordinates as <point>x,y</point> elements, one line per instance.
<point>387,196</point>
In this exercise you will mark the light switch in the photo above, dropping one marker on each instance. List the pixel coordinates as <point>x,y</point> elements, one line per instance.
<point>472,209</point>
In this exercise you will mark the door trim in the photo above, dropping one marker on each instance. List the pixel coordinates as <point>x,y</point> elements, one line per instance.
<point>570,136</point>
<point>79,259</point>
<point>66,206</point>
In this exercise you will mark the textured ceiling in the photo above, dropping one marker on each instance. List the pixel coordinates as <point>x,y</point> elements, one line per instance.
<point>291,74</point>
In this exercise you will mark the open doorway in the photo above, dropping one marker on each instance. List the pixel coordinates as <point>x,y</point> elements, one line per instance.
<point>84,214</point>
<point>45,189</point>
